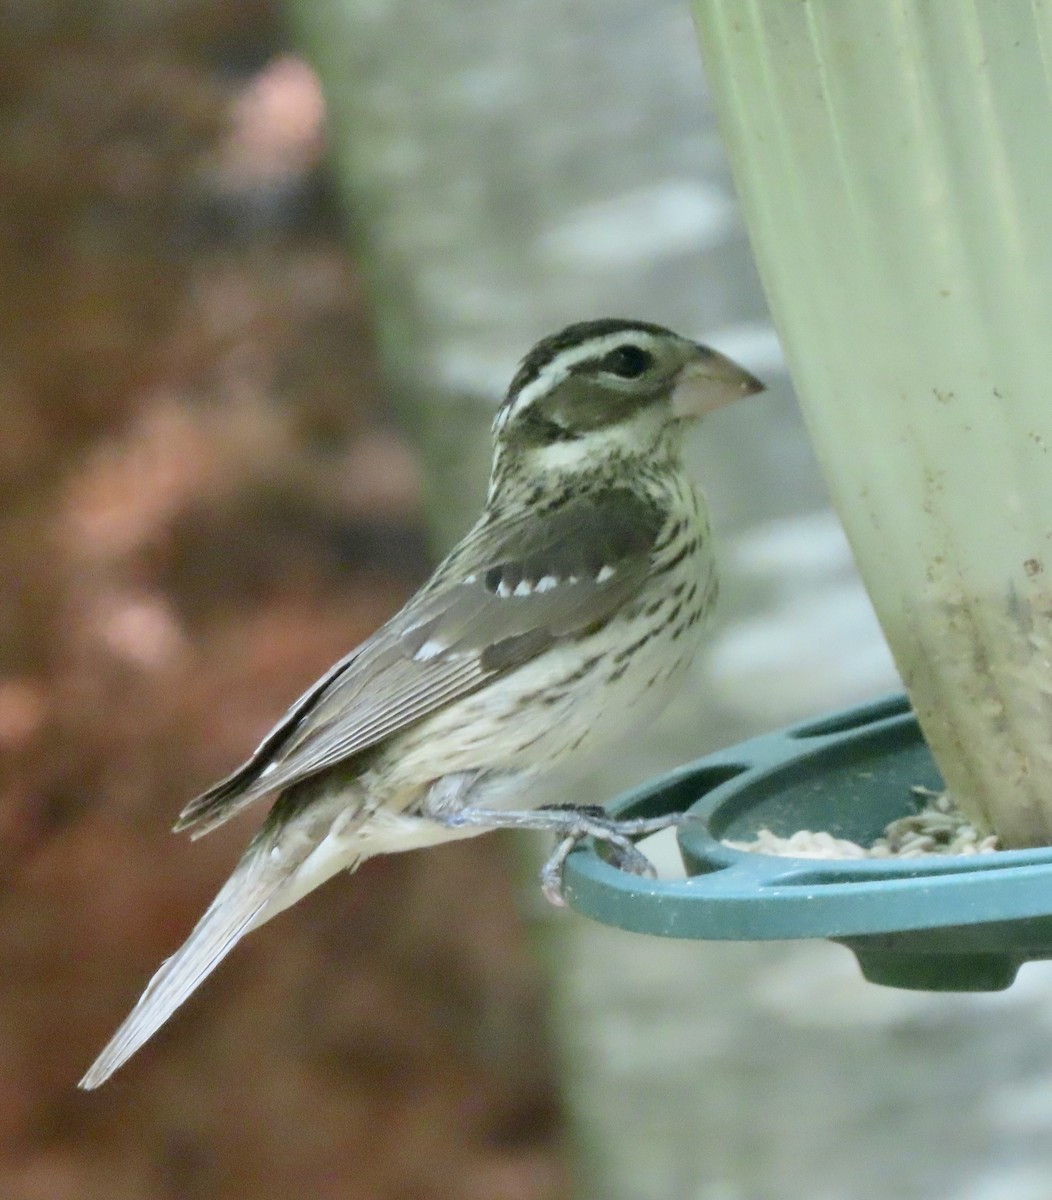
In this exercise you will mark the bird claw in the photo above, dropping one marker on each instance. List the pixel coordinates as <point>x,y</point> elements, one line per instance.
<point>616,834</point>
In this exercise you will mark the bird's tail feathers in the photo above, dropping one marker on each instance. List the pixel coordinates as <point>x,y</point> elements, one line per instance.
<point>305,841</point>
<point>248,898</point>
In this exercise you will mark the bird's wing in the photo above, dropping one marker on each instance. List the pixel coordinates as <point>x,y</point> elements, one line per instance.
<point>507,592</point>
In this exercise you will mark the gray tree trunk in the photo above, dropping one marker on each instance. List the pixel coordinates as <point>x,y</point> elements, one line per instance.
<point>512,165</point>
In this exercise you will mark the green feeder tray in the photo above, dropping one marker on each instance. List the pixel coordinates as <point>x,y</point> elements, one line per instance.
<point>934,923</point>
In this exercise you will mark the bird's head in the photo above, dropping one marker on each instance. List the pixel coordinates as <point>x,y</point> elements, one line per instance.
<point>610,389</point>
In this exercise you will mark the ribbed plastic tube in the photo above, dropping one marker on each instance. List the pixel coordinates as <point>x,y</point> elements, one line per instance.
<point>894,162</point>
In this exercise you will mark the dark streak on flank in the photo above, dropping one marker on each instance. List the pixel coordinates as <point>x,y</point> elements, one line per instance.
<point>690,547</point>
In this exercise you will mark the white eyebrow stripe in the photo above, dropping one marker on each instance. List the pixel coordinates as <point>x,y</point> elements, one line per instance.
<point>562,364</point>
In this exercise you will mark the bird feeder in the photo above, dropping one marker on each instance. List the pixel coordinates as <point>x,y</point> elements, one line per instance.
<point>894,164</point>
<point>936,923</point>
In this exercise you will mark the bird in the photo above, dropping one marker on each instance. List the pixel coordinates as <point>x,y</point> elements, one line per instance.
<point>561,621</point>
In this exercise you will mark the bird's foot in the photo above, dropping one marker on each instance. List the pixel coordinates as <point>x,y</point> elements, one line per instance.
<point>447,804</point>
<point>592,821</point>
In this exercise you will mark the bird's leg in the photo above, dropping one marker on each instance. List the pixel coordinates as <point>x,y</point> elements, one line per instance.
<point>448,803</point>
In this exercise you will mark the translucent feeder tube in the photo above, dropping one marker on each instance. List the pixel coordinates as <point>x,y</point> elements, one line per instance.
<point>894,162</point>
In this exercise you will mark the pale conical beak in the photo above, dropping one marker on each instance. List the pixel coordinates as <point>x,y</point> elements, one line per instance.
<point>710,381</point>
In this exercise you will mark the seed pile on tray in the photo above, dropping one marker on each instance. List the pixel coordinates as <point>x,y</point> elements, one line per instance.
<point>938,828</point>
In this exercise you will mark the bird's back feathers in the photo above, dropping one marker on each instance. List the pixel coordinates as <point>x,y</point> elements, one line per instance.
<point>504,595</point>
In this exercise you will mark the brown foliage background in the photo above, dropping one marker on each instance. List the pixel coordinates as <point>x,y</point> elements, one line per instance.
<point>202,504</point>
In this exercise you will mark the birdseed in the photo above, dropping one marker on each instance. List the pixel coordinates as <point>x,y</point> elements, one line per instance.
<point>938,828</point>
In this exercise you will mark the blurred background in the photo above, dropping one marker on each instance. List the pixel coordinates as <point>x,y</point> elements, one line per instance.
<point>265,270</point>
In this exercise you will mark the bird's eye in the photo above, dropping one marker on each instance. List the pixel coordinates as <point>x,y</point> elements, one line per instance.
<point>627,361</point>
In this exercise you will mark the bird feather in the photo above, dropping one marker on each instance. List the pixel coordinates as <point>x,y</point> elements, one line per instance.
<point>597,547</point>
